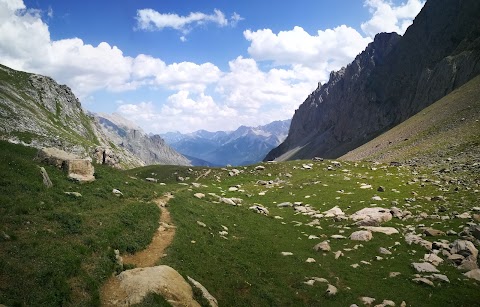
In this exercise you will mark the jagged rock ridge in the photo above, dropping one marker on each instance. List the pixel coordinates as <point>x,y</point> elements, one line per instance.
<point>393,79</point>
<point>151,149</point>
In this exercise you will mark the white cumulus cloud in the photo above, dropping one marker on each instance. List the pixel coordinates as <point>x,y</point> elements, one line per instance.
<point>151,20</point>
<point>386,17</point>
<point>330,48</point>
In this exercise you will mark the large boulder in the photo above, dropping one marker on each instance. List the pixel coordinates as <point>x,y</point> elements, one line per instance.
<point>466,249</point>
<point>371,216</point>
<point>162,279</point>
<point>78,169</point>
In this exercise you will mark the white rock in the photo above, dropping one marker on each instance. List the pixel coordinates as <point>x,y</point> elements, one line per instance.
<point>361,235</point>
<point>338,254</point>
<point>441,277</point>
<point>259,168</point>
<point>211,300</point>
<point>199,195</point>
<point>117,192</point>
<point>474,274</point>
<point>338,237</point>
<point>287,253</point>
<point>367,300</point>
<point>232,189</point>
<point>331,290</point>
<point>378,198</point>
<point>466,249</point>
<point>372,216</point>
<point>433,259</point>
<point>335,211</point>
<point>201,224</point>
<point>322,246</point>
<point>310,260</point>
<point>425,267</point>
<point>384,251</point>
<point>385,230</point>
<point>162,279</point>
<point>424,281</point>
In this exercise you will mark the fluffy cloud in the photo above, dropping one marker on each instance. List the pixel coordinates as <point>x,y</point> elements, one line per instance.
<point>389,18</point>
<point>200,96</point>
<point>331,48</point>
<point>151,20</point>
<point>183,111</point>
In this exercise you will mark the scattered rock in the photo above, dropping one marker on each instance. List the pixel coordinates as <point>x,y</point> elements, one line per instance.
<point>199,195</point>
<point>393,274</point>
<point>285,204</point>
<point>371,216</point>
<point>117,192</point>
<point>381,189</point>
<point>385,230</point>
<point>74,194</point>
<point>46,180</point>
<point>433,259</point>
<point>206,295</point>
<point>473,274</point>
<point>287,253</point>
<point>440,277</point>
<point>259,209</point>
<point>201,224</point>
<point>149,179</point>
<point>433,232</point>
<point>162,279</point>
<point>377,198</point>
<point>338,254</point>
<point>384,251</point>
<point>322,246</point>
<point>466,249</point>
<point>367,300</point>
<point>361,235</point>
<point>310,260</point>
<point>425,267</point>
<point>338,237</point>
<point>335,211</point>
<point>422,280</point>
<point>259,168</point>
<point>331,290</point>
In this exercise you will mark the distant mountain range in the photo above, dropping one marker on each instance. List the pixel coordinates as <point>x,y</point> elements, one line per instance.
<point>246,145</point>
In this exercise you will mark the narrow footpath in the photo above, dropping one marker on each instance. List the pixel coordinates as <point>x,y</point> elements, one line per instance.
<point>111,293</point>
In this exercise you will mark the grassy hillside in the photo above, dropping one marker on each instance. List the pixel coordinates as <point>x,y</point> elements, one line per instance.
<point>57,250</point>
<point>448,128</point>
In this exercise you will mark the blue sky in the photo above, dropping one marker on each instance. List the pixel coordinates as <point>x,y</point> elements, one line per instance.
<point>189,65</point>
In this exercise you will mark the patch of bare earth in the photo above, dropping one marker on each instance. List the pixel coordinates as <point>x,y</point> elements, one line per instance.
<point>112,293</point>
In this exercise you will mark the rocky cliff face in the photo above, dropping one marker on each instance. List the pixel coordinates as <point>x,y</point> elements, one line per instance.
<point>38,112</point>
<point>393,79</point>
<point>150,149</point>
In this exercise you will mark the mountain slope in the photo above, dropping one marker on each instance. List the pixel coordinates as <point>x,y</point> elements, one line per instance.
<point>246,145</point>
<point>37,111</point>
<point>151,149</point>
<point>447,129</point>
<point>393,79</point>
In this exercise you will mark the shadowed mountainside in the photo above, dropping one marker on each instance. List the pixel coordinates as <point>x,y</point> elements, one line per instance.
<point>393,79</point>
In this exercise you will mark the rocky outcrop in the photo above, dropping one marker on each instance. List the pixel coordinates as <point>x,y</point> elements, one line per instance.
<point>37,111</point>
<point>162,279</point>
<point>80,170</point>
<point>151,149</point>
<point>393,79</point>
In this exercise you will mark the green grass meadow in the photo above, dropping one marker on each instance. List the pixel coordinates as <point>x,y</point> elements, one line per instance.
<point>57,250</point>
